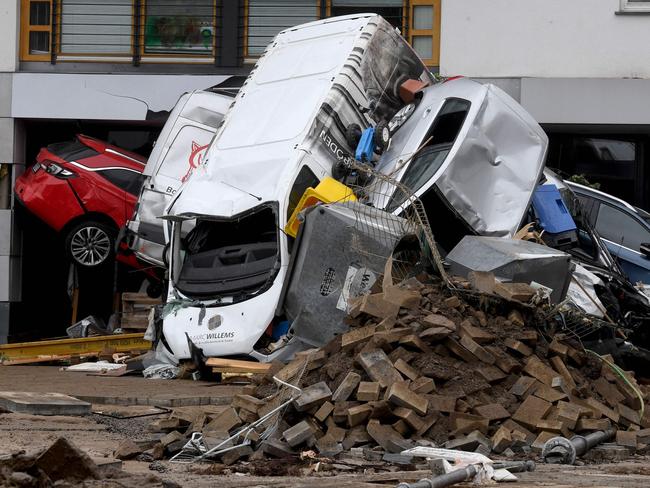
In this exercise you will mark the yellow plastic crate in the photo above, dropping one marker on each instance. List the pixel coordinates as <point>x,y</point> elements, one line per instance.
<point>327,191</point>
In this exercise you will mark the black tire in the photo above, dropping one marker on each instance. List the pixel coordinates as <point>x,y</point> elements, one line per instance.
<point>382,135</point>
<point>353,135</point>
<point>165,255</point>
<point>90,243</point>
<point>154,289</point>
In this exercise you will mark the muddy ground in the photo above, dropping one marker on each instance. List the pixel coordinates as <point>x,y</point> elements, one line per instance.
<point>99,435</point>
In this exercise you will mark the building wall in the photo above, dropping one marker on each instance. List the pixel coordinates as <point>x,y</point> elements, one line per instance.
<point>9,240</point>
<point>9,28</point>
<point>543,38</point>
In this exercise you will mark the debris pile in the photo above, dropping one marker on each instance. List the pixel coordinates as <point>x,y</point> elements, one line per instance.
<point>62,464</point>
<point>424,366</point>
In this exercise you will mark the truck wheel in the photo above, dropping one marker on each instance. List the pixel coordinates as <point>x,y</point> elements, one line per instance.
<point>382,135</point>
<point>353,135</point>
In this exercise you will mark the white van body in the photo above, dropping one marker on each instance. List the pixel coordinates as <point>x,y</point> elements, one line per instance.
<point>283,134</point>
<point>180,148</point>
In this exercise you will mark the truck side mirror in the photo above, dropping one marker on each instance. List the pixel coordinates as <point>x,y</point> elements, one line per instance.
<point>645,249</point>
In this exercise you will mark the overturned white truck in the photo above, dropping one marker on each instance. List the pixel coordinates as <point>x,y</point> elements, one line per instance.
<point>283,134</point>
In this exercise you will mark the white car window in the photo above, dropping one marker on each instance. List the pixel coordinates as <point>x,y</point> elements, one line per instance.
<point>619,228</point>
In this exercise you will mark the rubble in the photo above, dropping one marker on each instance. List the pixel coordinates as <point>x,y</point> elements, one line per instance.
<point>63,465</point>
<point>491,385</point>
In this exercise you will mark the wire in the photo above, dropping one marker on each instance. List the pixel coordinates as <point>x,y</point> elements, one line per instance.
<point>623,376</point>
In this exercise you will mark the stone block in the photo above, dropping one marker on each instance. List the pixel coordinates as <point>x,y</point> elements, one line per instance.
<point>523,387</point>
<point>531,411</point>
<point>423,385</point>
<point>518,347</point>
<point>298,434</point>
<point>312,396</point>
<point>379,368</point>
<point>368,391</point>
<point>42,403</point>
<point>501,440</point>
<point>492,412</point>
<point>537,369</point>
<point>627,439</point>
<point>347,387</point>
<point>323,411</point>
<point>387,437</point>
<point>406,370</point>
<point>400,395</point>
<point>359,414</point>
<point>477,350</point>
<point>437,320</point>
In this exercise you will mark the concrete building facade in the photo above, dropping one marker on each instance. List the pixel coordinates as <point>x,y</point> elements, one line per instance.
<point>581,68</point>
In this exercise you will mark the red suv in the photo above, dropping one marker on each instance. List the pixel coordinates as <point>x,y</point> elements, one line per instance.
<point>85,189</point>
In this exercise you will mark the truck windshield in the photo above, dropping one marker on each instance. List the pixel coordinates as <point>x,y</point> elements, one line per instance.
<point>236,257</point>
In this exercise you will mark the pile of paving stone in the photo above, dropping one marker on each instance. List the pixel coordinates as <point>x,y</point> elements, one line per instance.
<point>421,365</point>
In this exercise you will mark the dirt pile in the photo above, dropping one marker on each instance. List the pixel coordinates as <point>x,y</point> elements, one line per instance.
<point>64,465</point>
<point>424,366</point>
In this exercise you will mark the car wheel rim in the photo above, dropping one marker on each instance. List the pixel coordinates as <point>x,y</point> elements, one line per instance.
<point>90,246</point>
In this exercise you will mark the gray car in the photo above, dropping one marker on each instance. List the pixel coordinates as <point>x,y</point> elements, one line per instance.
<point>624,229</point>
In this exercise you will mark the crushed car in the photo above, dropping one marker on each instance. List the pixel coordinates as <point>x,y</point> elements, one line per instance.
<point>470,153</point>
<point>284,133</point>
<point>95,186</point>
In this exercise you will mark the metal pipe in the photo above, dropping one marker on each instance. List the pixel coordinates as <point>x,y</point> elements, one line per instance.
<point>560,450</point>
<point>515,466</point>
<point>448,479</point>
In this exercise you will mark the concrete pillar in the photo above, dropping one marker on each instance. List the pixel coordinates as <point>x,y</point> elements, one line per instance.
<point>10,245</point>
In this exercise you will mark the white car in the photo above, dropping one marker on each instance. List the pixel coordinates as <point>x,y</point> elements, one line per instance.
<point>472,155</point>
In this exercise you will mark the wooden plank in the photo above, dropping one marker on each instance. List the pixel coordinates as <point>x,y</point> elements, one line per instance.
<point>224,365</point>
<point>35,360</point>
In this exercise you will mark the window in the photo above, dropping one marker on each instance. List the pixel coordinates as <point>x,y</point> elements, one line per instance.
<point>173,27</point>
<point>608,161</point>
<point>633,6</point>
<point>84,29</point>
<point>620,228</point>
<point>444,130</point>
<point>35,30</point>
<point>391,10</point>
<point>129,181</point>
<point>424,32</point>
<point>265,18</point>
<point>96,27</point>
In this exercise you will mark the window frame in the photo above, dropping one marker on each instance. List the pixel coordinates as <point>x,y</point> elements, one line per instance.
<point>639,6</point>
<point>405,9</point>
<point>433,33</point>
<point>26,28</point>
<point>137,46</point>
<point>251,58</point>
<point>92,57</point>
<point>192,58</point>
